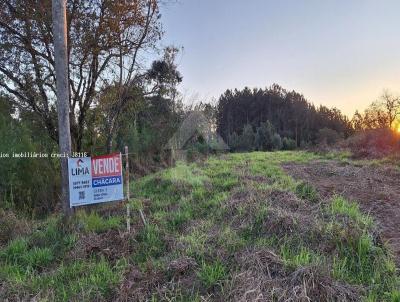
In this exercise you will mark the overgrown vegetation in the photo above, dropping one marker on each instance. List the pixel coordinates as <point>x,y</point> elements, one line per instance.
<point>235,227</point>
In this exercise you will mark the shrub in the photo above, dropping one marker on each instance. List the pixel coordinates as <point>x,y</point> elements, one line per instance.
<point>233,141</point>
<point>288,144</point>
<point>327,136</point>
<point>197,150</point>
<point>277,142</point>
<point>11,226</point>
<point>264,136</point>
<point>375,143</point>
<point>28,184</point>
<point>304,144</point>
<point>246,140</point>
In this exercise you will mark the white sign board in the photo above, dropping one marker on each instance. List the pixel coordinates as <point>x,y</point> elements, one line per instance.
<point>95,179</point>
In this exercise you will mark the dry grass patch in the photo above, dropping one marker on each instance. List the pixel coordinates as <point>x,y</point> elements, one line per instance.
<point>262,276</point>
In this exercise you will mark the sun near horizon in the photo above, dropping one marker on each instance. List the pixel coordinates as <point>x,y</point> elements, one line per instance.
<point>336,53</point>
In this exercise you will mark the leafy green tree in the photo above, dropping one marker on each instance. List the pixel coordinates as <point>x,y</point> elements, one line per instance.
<point>233,141</point>
<point>264,137</point>
<point>277,142</point>
<point>246,140</point>
<point>106,40</point>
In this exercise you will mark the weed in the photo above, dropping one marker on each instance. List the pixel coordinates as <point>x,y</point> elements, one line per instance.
<point>51,235</point>
<point>14,251</point>
<point>361,262</point>
<point>231,240</point>
<point>194,243</point>
<point>255,228</point>
<point>211,274</point>
<point>11,226</point>
<point>17,253</point>
<point>306,191</point>
<point>83,281</point>
<point>38,257</point>
<point>93,222</point>
<point>189,174</point>
<point>340,205</point>
<point>150,244</point>
<point>394,296</point>
<point>179,218</point>
<point>136,204</point>
<point>296,256</point>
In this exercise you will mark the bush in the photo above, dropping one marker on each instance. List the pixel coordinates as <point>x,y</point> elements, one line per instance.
<point>327,136</point>
<point>265,139</point>
<point>11,226</point>
<point>304,144</point>
<point>246,140</point>
<point>233,141</point>
<point>288,144</point>
<point>28,184</point>
<point>277,142</point>
<point>375,143</point>
<point>264,136</point>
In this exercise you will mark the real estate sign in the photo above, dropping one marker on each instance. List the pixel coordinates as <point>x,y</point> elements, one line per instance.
<point>95,179</point>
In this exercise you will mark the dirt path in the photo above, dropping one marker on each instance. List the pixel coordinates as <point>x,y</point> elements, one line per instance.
<point>376,189</point>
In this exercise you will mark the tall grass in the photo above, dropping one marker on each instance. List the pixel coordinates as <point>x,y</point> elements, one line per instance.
<point>193,212</point>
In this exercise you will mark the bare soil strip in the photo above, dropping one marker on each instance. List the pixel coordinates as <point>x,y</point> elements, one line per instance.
<point>375,188</point>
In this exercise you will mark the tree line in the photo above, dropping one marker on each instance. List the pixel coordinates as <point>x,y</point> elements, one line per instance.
<point>273,118</point>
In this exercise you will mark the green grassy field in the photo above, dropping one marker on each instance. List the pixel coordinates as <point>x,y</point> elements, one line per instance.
<point>235,227</point>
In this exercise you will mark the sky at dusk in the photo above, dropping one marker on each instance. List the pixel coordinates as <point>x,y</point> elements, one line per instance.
<point>336,53</point>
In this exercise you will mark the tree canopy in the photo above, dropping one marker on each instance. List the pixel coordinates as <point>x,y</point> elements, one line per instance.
<point>106,40</point>
<point>288,112</point>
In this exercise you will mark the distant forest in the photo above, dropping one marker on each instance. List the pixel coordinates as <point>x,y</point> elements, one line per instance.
<point>277,111</point>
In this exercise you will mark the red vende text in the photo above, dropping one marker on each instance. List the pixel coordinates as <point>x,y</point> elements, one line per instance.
<point>106,165</point>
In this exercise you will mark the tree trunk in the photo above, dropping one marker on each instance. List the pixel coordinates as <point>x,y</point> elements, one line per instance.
<point>109,142</point>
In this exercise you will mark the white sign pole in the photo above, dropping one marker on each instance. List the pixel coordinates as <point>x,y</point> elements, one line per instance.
<point>128,210</point>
